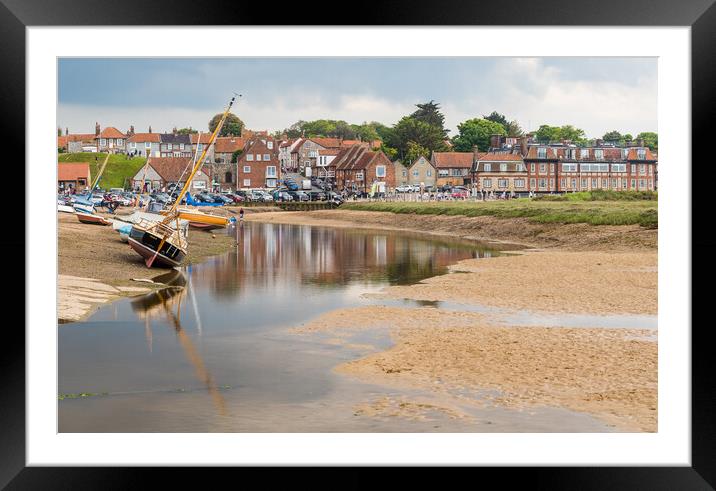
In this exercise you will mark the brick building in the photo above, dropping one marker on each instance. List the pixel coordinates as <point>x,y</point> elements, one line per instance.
<point>258,166</point>
<point>358,168</point>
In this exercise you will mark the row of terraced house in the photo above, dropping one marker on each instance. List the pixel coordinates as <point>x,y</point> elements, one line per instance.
<point>519,165</point>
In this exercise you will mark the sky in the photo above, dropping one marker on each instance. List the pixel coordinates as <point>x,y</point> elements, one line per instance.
<point>594,94</point>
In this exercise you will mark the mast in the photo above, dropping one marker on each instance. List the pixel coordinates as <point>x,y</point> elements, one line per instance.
<point>200,162</point>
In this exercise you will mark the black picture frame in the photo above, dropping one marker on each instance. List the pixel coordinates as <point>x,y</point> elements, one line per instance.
<point>16,15</point>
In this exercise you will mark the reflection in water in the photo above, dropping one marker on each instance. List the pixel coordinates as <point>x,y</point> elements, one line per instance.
<point>161,303</point>
<point>278,277</point>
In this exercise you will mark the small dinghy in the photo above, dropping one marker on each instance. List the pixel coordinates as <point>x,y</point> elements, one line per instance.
<point>91,218</point>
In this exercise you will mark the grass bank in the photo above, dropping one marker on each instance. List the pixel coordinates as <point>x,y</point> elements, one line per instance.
<point>618,212</point>
<point>120,169</point>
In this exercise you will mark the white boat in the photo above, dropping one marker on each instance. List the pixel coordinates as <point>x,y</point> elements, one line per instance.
<point>65,208</point>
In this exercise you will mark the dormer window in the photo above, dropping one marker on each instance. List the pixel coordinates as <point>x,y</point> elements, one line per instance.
<point>641,154</point>
<point>599,154</point>
<point>270,145</point>
<point>584,153</point>
<point>249,157</point>
<point>541,153</point>
<point>503,167</point>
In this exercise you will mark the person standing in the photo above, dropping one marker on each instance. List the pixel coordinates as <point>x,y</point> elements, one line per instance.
<point>241,214</point>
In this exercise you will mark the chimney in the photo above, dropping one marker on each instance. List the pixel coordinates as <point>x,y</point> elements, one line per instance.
<point>640,142</point>
<point>150,128</point>
<point>67,131</point>
<point>174,130</point>
<point>495,141</point>
<point>523,145</point>
<point>131,130</point>
<point>475,154</point>
<point>599,142</point>
<point>96,129</point>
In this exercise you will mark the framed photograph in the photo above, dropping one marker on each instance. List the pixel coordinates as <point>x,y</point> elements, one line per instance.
<point>452,241</point>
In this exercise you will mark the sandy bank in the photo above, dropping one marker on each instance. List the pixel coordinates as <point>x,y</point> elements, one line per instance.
<point>514,230</point>
<point>93,264</point>
<point>609,373</point>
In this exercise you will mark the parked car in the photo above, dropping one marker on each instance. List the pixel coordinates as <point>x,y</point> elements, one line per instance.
<point>299,196</point>
<point>335,198</point>
<point>246,195</point>
<point>282,195</point>
<point>317,196</point>
<point>459,192</point>
<point>404,188</point>
<point>259,195</point>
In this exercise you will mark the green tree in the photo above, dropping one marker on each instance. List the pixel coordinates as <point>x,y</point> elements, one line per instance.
<point>628,137</point>
<point>497,118</point>
<point>613,136</point>
<point>569,132</point>
<point>429,112</point>
<point>546,133</point>
<point>409,129</point>
<point>651,140</point>
<point>513,129</point>
<point>235,155</point>
<point>187,131</point>
<point>232,126</point>
<point>390,152</point>
<point>414,152</point>
<point>59,131</point>
<point>476,132</point>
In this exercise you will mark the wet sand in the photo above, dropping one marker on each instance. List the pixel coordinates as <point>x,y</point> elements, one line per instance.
<point>465,359</point>
<point>94,266</point>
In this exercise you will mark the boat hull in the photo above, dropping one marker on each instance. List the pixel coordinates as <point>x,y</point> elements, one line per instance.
<point>145,244</point>
<point>196,216</point>
<point>65,209</point>
<point>204,226</point>
<point>83,208</point>
<point>92,219</point>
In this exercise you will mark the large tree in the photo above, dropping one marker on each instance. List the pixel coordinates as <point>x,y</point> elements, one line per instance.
<point>409,129</point>
<point>429,112</point>
<point>513,129</point>
<point>476,132</point>
<point>232,126</point>
<point>613,136</point>
<point>546,134</point>
<point>497,118</point>
<point>651,140</point>
<point>414,152</point>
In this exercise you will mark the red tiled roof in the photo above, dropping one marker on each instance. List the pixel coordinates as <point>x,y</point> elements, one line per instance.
<point>327,142</point>
<point>348,143</point>
<point>330,151</point>
<point>452,160</point>
<point>532,153</point>
<point>61,141</point>
<point>144,137</point>
<point>171,168</point>
<point>81,137</point>
<point>632,155</point>
<point>111,132</point>
<point>258,147</point>
<point>229,144</point>
<point>204,137</point>
<point>71,171</point>
<point>356,157</point>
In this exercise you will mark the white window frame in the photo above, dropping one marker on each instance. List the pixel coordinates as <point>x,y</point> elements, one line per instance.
<point>247,169</point>
<point>519,183</point>
<point>487,182</point>
<point>267,157</point>
<point>380,171</point>
<point>249,157</point>
<point>271,171</point>
<point>247,183</point>
<point>487,167</point>
<point>503,167</point>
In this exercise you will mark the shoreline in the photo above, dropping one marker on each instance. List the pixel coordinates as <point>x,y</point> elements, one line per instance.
<point>95,268</point>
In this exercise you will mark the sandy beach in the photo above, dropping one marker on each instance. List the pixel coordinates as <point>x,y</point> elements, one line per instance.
<point>468,357</point>
<point>94,267</point>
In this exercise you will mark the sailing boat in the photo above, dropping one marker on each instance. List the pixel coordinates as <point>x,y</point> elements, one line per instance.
<point>158,242</point>
<point>84,207</point>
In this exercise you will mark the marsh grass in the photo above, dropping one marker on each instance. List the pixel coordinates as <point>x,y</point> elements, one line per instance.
<point>118,173</point>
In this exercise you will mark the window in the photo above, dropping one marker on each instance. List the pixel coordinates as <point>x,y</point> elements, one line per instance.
<point>542,168</point>
<point>641,154</point>
<point>405,173</point>
<point>532,168</point>
<point>502,183</point>
<point>633,183</point>
<point>119,141</point>
<point>487,167</point>
<point>102,142</point>
<point>429,173</point>
<point>614,183</point>
<point>594,183</point>
<point>456,172</point>
<point>250,157</point>
<point>624,183</point>
<point>569,167</point>
<point>551,168</point>
<point>642,183</point>
<point>551,183</point>
<point>181,146</point>
<point>359,175</point>
<point>313,153</point>
<point>605,183</point>
<point>543,183</point>
<point>584,183</point>
<point>247,169</point>
<point>583,153</point>
<point>520,167</point>
<point>503,167</point>
<point>271,171</point>
<point>228,177</point>
<point>574,183</point>
<point>487,183</point>
<point>650,169</point>
<point>442,173</point>
<point>307,163</point>
<point>169,146</point>
<point>642,169</point>
<point>267,157</point>
<point>599,154</point>
<point>563,182</point>
<point>633,168</point>
<point>147,145</point>
<point>541,153</point>
<point>247,183</point>
<point>416,173</point>
<point>380,171</point>
<point>532,184</point>
<point>269,145</point>
<point>519,183</point>
<point>618,167</point>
